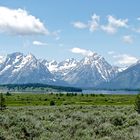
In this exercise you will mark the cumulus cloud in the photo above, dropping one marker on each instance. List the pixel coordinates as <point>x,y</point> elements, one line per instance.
<point>20,22</point>
<point>39,43</point>
<point>56,34</point>
<point>114,24</point>
<point>125,59</point>
<point>79,25</point>
<point>128,39</point>
<point>117,22</point>
<point>137,30</point>
<point>111,52</point>
<point>94,23</point>
<point>109,29</point>
<point>81,51</point>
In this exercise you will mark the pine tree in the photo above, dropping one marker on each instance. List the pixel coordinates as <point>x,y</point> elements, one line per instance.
<point>137,103</point>
<point>2,102</point>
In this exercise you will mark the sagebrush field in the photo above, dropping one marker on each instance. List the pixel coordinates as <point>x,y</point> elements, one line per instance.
<point>70,123</point>
<point>69,117</point>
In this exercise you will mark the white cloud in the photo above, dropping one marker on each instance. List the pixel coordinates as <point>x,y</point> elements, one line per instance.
<point>20,22</point>
<point>109,29</point>
<point>117,22</point>
<point>79,25</point>
<point>125,59</point>
<point>38,43</point>
<point>94,23</point>
<point>111,52</point>
<point>81,51</point>
<point>114,24</point>
<point>137,30</point>
<point>128,39</point>
<point>56,34</point>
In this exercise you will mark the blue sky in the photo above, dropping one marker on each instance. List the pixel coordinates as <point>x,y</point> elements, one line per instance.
<point>63,29</point>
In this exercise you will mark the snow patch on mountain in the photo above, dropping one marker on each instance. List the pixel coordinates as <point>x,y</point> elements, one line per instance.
<point>89,72</point>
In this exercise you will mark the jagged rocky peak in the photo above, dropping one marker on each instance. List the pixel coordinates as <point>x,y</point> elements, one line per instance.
<point>68,62</point>
<point>53,62</point>
<point>2,59</point>
<point>89,72</point>
<point>92,57</point>
<point>15,54</point>
<point>138,62</point>
<point>30,56</point>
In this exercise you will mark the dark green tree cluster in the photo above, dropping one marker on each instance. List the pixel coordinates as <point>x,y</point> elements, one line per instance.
<point>52,103</point>
<point>71,94</point>
<point>38,86</point>
<point>137,103</point>
<point>2,102</point>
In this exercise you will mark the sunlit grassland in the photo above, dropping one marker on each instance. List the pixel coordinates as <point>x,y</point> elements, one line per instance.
<point>70,122</point>
<point>30,99</point>
<point>72,117</point>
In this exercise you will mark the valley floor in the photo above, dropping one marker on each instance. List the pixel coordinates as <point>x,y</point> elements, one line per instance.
<point>70,123</point>
<point>69,117</point>
<point>30,99</point>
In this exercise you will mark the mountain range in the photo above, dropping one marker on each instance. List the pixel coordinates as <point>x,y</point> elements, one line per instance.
<point>91,72</point>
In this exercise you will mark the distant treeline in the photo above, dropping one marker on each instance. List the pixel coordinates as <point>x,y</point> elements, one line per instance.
<point>117,89</point>
<point>38,87</point>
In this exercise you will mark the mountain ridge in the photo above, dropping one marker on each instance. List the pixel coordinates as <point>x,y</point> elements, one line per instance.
<point>90,72</point>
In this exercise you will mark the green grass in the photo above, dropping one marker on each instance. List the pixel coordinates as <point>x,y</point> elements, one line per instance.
<point>70,123</point>
<point>67,99</point>
<point>73,117</point>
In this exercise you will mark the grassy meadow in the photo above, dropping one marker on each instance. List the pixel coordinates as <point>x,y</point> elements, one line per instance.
<point>30,99</point>
<point>69,117</point>
<point>71,122</point>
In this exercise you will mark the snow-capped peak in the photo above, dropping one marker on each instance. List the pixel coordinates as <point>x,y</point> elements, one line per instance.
<point>2,59</point>
<point>138,62</point>
<point>68,63</point>
<point>89,72</point>
<point>52,65</point>
<point>30,57</point>
<point>53,62</point>
<point>94,58</point>
<point>19,68</point>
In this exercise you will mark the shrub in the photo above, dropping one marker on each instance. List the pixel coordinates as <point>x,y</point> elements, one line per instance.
<point>118,119</point>
<point>8,94</point>
<point>137,103</point>
<point>52,103</point>
<point>102,95</point>
<point>2,102</point>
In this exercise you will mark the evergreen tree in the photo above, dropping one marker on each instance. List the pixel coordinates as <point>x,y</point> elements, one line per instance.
<point>2,102</point>
<point>137,103</point>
